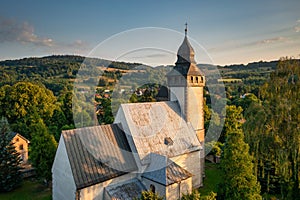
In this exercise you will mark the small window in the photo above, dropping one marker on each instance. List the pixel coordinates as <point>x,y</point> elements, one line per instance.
<point>168,141</point>
<point>17,139</point>
<point>152,188</point>
<point>196,79</point>
<point>21,147</point>
<point>192,79</point>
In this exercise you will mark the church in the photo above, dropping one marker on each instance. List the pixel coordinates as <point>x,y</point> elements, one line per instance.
<point>157,146</point>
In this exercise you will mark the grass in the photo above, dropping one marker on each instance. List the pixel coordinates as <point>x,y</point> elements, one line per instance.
<point>230,80</point>
<point>211,180</point>
<point>30,190</point>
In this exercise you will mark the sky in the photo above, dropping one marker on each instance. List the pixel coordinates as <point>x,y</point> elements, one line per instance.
<point>222,32</point>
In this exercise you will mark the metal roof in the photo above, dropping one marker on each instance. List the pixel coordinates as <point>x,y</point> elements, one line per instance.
<point>164,171</point>
<point>127,190</point>
<point>186,52</point>
<point>150,123</point>
<point>185,64</point>
<point>98,153</point>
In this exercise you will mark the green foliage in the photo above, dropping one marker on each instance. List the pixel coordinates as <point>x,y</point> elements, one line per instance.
<point>232,121</point>
<point>42,150</point>
<point>238,180</point>
<point>195,195</point>
<point>214,147</point>
<point>246,101</point>
<point>23,100</point>
<point>149,195</point>
<point>272,130</point>
<point>10,176</point>
<point>147,96</point>
<point>211,196</point>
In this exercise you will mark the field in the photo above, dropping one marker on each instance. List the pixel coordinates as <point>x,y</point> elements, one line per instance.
<point>30,190</point>
<point>231,80</point>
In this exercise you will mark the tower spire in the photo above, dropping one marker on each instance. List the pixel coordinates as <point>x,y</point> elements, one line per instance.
<point>185,30</point>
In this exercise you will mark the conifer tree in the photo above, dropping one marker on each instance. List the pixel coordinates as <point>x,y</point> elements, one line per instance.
<point>238,180</point>
<point>10,176</point>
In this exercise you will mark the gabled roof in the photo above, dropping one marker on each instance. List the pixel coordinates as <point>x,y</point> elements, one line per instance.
<point>150,123</point>
<point>128,190</point>
<point>14,134</point>
<point>164,171</point>
<point>98,153</point>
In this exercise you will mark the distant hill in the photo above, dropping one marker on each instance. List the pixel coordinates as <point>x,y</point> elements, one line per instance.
<point>59,71</point>
<point>56,72</point>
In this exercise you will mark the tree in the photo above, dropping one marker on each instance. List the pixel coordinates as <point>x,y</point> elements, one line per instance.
<point>238,181</point>
<point>232,121</point>
<point>272,131</point>
<point>24,99</point>
<point>211,196</point>
<point>10,176</point>
<point>147,96</point>
<point>149,195</point>
<point>42,150</point>
<point>195,195</point>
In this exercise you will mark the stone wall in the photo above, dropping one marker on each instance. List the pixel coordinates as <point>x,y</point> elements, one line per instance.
<point>192,163</point>
<point>176,190</point>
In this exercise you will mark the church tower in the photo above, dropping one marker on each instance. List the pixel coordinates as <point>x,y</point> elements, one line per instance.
<point>186,82</point>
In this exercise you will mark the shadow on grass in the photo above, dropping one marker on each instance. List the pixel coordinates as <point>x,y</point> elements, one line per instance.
<point>211,180</point>
<point>30,190</point>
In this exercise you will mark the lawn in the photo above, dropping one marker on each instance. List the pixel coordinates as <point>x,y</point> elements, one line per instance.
<point>30,190</point>
<point>211,180</point>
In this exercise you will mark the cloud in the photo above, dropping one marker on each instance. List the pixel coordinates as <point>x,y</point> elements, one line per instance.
<point>297,29</point>
<point>78,44</point>
<point>24,33</point>
<point>271,40</point>
<point>155,55</point>
<point>13,31</point>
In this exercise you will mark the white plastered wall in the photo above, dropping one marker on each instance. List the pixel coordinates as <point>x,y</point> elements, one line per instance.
<point>62,176</point>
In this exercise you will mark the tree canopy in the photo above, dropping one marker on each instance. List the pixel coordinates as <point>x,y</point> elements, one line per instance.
<point>272,130</point>
<point>42,150</point>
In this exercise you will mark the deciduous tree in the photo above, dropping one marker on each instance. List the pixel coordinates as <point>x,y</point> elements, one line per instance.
<point>42,150</point>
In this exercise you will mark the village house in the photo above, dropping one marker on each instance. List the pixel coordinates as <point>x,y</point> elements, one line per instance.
<point>21,146</point>
<point>157,146</point>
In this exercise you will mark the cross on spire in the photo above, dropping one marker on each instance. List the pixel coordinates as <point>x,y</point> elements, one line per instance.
<point>185,30</point>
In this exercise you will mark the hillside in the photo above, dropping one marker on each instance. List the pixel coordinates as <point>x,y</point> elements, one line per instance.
<point>59,71</point>
<point>55,72</point>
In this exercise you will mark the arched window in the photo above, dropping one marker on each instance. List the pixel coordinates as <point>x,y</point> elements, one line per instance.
<point>196,79</point>
<point>152,188</point>
<point>191,79</point>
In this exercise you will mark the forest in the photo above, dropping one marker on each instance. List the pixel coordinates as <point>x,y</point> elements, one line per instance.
<point>259,124</point>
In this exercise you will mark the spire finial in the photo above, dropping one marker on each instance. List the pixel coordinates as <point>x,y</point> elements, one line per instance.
<point>185,30</point>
